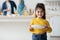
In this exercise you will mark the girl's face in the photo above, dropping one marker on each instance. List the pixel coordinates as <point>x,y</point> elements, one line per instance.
<point>39,13</point>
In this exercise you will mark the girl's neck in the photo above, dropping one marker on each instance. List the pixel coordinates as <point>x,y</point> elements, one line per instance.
<point>40,17</point>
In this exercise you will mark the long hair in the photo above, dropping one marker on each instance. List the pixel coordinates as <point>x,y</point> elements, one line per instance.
<point>42,6</point>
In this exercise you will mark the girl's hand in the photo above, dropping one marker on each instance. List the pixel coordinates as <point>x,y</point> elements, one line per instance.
<point>31,29</point>
<point>46,28</point>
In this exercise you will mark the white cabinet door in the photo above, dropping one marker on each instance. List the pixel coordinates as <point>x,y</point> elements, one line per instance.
<point>55,23</point>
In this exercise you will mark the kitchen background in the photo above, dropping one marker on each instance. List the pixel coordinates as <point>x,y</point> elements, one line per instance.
<point>12,28</point>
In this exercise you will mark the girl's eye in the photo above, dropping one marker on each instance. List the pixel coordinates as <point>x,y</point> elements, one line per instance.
<point>38,11</point>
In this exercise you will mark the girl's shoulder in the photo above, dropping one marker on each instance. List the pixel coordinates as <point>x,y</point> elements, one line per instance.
<point>33,18</point>
<point>46,21</point>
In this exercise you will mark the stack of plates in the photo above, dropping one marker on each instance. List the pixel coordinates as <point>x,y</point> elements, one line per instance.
<point>38,26</point>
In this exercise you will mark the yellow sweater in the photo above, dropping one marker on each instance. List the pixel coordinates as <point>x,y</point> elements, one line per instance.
<point>40,21</point>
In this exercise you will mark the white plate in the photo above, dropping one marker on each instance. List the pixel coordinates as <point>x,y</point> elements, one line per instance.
<point>38,26</point>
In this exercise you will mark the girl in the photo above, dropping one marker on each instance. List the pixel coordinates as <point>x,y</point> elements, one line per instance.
<point>39,26</point>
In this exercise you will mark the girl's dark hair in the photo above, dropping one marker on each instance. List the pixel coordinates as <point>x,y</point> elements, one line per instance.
<point>42,6</point>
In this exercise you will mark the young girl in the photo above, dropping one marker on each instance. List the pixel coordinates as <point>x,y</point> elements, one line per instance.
<point>39,26</point>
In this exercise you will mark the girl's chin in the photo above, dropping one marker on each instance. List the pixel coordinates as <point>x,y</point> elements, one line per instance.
<point>39,16</point>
